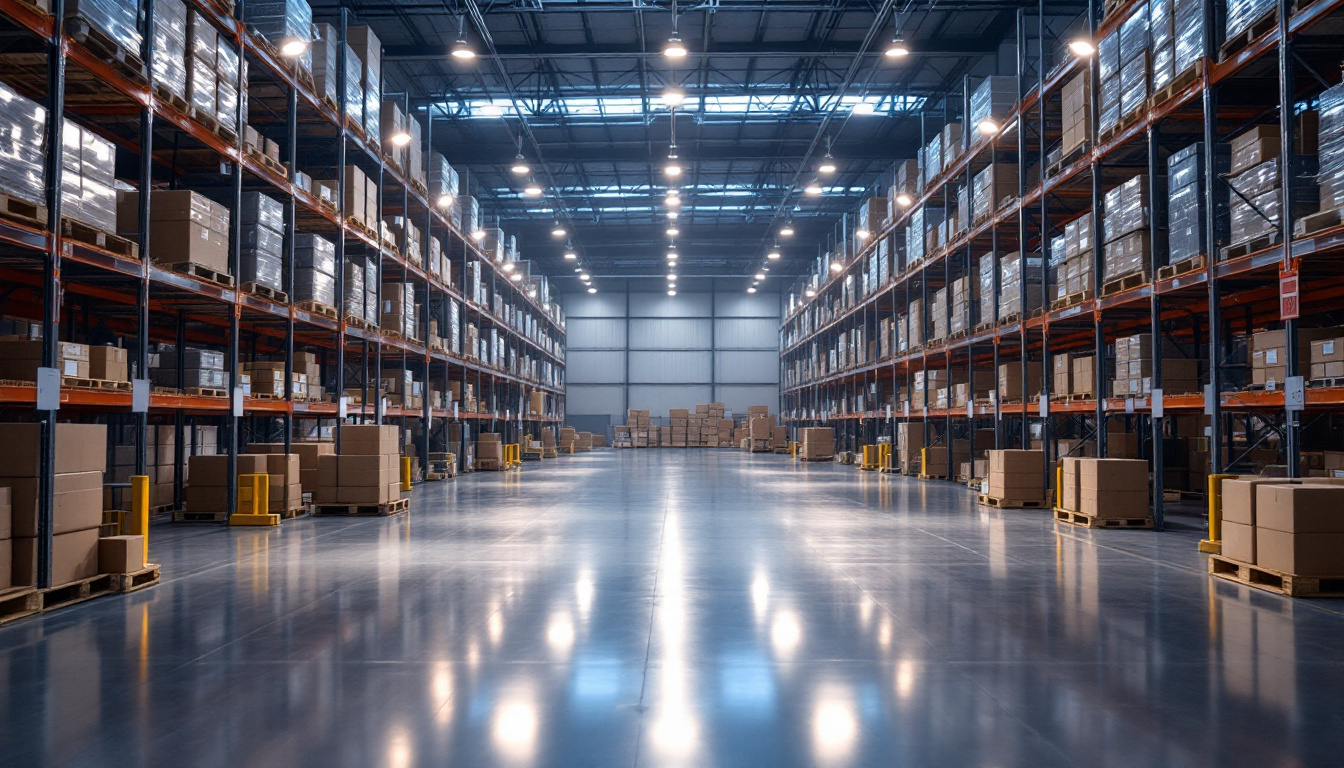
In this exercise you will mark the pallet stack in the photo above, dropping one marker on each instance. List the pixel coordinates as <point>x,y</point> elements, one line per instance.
<point>817,444</point>
<point>1284,535</point>
<point>1105,493</point>
<point>365,474</point>
<point>1016,479</point>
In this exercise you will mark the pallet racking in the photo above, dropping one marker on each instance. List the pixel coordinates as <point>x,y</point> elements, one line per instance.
<point>75,287</point>
<point>1270,72</point>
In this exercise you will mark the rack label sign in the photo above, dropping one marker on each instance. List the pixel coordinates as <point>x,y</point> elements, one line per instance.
<point>1289,306</point>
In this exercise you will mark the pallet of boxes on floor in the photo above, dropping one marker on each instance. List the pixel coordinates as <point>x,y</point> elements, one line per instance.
<point>1016,480</point>
<point>1284,536</point>
<point>364,478</point>
<point>1104,493</point>
<point>816,444</point>
<point>85,563</point>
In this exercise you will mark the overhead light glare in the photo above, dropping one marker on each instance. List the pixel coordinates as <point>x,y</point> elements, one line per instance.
<point>897,49</point>
<point>673,232</point>
<point>520,166</point>
<point>787,231</point>
<point>810,293</point>
<point>571,256</point>
<point>294,48</point>
<point>674,48</point>
<point>445,200</point>
<point>462,51</point>
<point>674,97</point>
<point>987,127</point>
<point>516,277</point>
<point>508,266</point>
<point>478,234</point>
<point>592,289</point>
<point>759,275</point>
<point>751,289</point>
<point>827,165</point>
<point>773,255</point>
<point>1082,47</point>
<point>558,231</point>
<point>672,292</point>
<point>863,108</point>
<point>836,266</point>
<point>584,276</point>
<point>904,200</point>
<point>400,139</point>
<point>492,110</point>
<point>532,190</point>
<point>862,234</point>
<point>813,189</point>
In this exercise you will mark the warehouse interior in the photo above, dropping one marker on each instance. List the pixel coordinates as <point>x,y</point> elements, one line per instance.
<point>655,383</point>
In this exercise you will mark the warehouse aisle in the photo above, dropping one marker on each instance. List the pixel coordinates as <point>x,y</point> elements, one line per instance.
<point>670,608</point>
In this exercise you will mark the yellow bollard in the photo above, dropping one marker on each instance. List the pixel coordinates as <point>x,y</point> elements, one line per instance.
<point>254,501</point>
<point>1059,487</point>
<point>1214,544</point>
<point>405,473</point>
<point>138,521</point>
<point>923,462</point>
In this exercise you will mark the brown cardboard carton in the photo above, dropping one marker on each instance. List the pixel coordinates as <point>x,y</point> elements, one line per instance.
<point>1304,508</point>
<point>1070,496</point>
<point>282,467</point>
<point>79,448</point>
<point>1011,385</point>
<point>1007,485</point>
<point>121,554</point>
<point>1017,461</point>
<point>214,470</point>
<point>1103,504</point>
<point>74,556</point>
<point>1302,554</point>
<point>6,563</point>
<point>1238,542</point>
<point>108,364</point>
<point>369,439</point>
<point>1129,475</point>
<point>365,494</point>
<point>1238,499</point>
<point>366,471</point>
<point>78,503</point>
<point>6,524</point>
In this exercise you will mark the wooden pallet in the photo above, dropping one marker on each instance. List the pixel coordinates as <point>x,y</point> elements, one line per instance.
<point>1124,123</point>
<point>997,503</point>
<point>22,211</point>
<point>202,272</point>
<point>1247,247</point>
<point>265,396</point>
<point>932,476</point>
<point>361,510</point>
<point>265,292</point>
<point>360,322</point>
<point>206,392</point>
<point>136,580</point>
<point>183,516</point>
<point>1010,319</point>
<point>52,598</point>
<point>104,47</point>
<point>1125,283</point>
<point>270,163</point>
<point>983,327</point>
<point>1072,300</point>
<point>316,308</point>
<point>1275,581</point>
<point>1321,383</point>
<point>1259,27</point>
<point>825,458</point>
<point>1087,521</point>
<point>391,334</point>
<point>17,603</point>
<point>1318,222</point>
<point>290,514</point>
<point>1182,267</point>
<point>358,224</point>
<point>74,382</point>
<point>1178,83</point>
<point>81,232</point>
<point>168,97</point>
<point>1073,155</point>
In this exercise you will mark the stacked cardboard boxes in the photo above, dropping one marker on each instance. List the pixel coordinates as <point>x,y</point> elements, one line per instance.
<point>81,458</point>
<point>990,187</point>
<point>20,359</point>
<point>1073,374</point>
<point>1106,488</point>
<point>202,368</point>
<point>1327,358</point>
<point>638,422</point>
<point>1077,114</point>
<point>196,226</point>
<point>818,443</point>
<point>367,470</point>
<point>308,454</point>
<point>1187,224</point>
<point>909,441</point>
<point>1011,386</point>
<point>1286,526</point>
<point>1269,354</point>
<point>1256,179</point>
<point>209,487</point>
<point>1125,229</point>
<point>263,249</point>
<point>1019,277</point>
<point>1134,368</point>
<point>1016,475</point>
<point>963,298</point>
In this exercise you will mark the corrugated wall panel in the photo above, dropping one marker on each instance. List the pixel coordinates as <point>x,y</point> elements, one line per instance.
<point>590,399</point>
<point>662,305</point>
<point>594,333</point>
<point>660,398</point>
<point>737,398</point>
<point>746,367</point>
<point>592,367</point>
<point>670,367</point>
<point>747,305</point>
<point>670,334</point>
<point>744,333</point>
<point>593,305</point>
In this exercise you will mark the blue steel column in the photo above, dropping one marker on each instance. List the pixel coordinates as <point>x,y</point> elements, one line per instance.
<point>231,421</point>
<point>147,54</point>
<point>1213,185</point>
<point>1292,425</point>
<point>1098,329</point>
<point>342,136</point>
<point>1157,255</point>
<point>291,216</point>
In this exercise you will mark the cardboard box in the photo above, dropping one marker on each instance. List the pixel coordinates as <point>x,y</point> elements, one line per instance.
<point>213,470</point>
<point>6,563</point>
<point>1301,554</point>
<point>1238,541</point>
<point>74,556</point>
<point>121,554</point>
<point>1239,497</point>
<point>1300,508</point>
<point>79,448</point>
<point>6,524</point>
<point>1070,495</point>
<point>367,470</point>
<point>1011,385</point>
<point>108,364</point>
<point>369,439</point>
<point>78,503</point>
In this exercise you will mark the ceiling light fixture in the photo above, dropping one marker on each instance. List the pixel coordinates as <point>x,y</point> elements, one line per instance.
<point>673,168</point>
<point>774,254</point>
<point>897,49</point>
<point>400,139</point>
<point>492,110</point>
<point>751,289</point>
<point>862,234</point>
<point>810,293</point>
<point>592,289</point>
<point>294,48</point>
<point>671,278</point>
<point>516,277</point>
<point>584,276</point>
<point>672,292</point>
<point>787,231</point>
<point>836,266</point>
<point>760,275</point>
<point>557,230</point>
<point>570,255</point>
<point>904,200</point>
<point>673,231</point>
<point>445,200</point>
<point>813,188</point>
<point>827,162</point>
<point>479,234</point>
<point>672,215</point>
<point>520,166</point>
<point>461,50</point>
<point>673,97</point>
<point>1082,47</point>
<point>674,193</point>
<point>532,190</point>
<point>987,126</point>
<point>863,108</point>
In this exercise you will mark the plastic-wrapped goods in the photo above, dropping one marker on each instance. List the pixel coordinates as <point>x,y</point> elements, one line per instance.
<point>1163,49</point>
<point>87,193</point>
<point>118,20</point>
<point>354,87</point>
<point>1255,201</point>
<point>326,61</point>
<point>372,279</point>
<point>1186,221</point>
<point>932,159</point>
<point>227,64</point>
<point>988,266</point>
<point>1016,281</point>
<point>23,126</point>
<point>1188,33</point>
<point>415,156</point>
<point>201,84</point>
<point>990,186</point>
<point>1134,35</point>
<point>169,60</point>
<point>1108,56</point>
<point>472,213</point>
<point>260,266</point>
<point>282,23</point>
<point>1126,255</point>
<point>260,209</point>
<point>316,253</point>
<point>354,288</point>
<point>373,99</point>
<point>1108,114</point>
<point>994,98</point>
<point>1133,85</point>
<point>313,285</point>
<point>914,236</point>
<point>1330,140</point>
<point>226,104</point>
<point>1125,209</point>
<point>1241,14</point>
<point>443,180</point>
<point>1076,110</point>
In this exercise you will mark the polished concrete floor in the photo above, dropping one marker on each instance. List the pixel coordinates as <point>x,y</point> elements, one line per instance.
<point>678,608</point>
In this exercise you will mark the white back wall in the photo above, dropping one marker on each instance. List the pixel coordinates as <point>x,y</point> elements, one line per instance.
<point>630,345</point>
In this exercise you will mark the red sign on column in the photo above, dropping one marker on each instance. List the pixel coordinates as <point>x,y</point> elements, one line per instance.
<point>1289,306</point>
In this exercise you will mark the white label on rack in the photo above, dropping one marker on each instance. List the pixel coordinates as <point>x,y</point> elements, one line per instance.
<point>888,412</point>
<point>905,409</point>
<point>238,401</point>
<point>1271,385</point>
<point>1208,399</point>
<point>1157,403</point>
<point>1129,405</point>
<point>454,410</point>
<point>48,389</point>
<point>140,396</point>
<point>1294,393</point>
<point>342,407</point>
<point>970,409</point>
<point>1043,407</point>
<point>1328,347</point>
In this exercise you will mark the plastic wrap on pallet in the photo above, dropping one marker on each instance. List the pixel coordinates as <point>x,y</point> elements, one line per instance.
<point>1188,29</point>
<point>1125,208</point>
<point>226,64</point>
<point>23,125</point>
<point>988,265</point>
<point>119,20</point>
<point>990,186</point>
<point>315,252</point>
<point>283,22</point>
<point>1016,279</point>
<point>1108,56</point>
<point>261,209</point>
<point>443,181</point>
<point>1134,85</point>
<point>1186,220</point>
<point>471,215</point>
<point>201,85</point>
<point>202,38</point>
<point>1125,255</point>
<point>994,98</point>
<point>373,101</point>
<point>314,285</point>
<point>372,279</point>
<point>932,159</point>
<point>1241,14</point>
<point>354,287</point>
<point>260,266</point>
<point>169,60</point>
<point>1330,141</point>
<point>1134,35</point>
<point>193,357</point>
<point>263,240</point>
<point>914,235</point>
<point>326,61</point>
<point>226,105</point>
<point>354,87</point>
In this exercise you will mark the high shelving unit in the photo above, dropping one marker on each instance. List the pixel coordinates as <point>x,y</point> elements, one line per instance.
<point>1287,59</point>
<point>78,290</point>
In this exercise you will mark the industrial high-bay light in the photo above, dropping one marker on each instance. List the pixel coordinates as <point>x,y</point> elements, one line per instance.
<point>461,50</point>
<point>1082,47</point>
<point>520,166</point>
